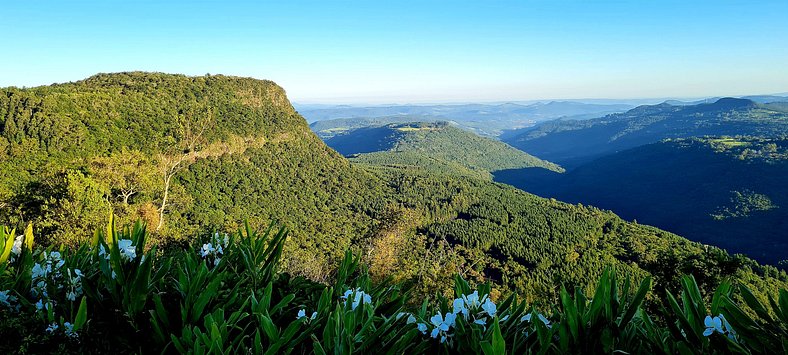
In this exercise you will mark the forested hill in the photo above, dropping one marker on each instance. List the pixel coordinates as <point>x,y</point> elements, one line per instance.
<point>574,142</point>
<point>195,155</point>
<point>437,146</point>
<point>728,192</point>
<point>213,151</point>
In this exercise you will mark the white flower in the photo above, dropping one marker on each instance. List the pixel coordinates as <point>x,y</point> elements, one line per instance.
<point>39,271</point>
<point>127,251</point>
<point>472,300</point>
<point>544,320</point>
<point>480,322</point>
<point>437,321</point>
<point>69,330</point>
<point>435,332</point>
<point>450,319</point>
<point>719,325</point>
<point>215,248</point>
<point>489,307</point>
<point>527,318</point>
<point>442,324</point>
<point>52,328</point>
<point>411,319</point>
<point>54,258</point>
<point>16,249</point>
<point>6,299</point>
<point>207,249</point>
<point>103,252</point>
<point>359,297</point>
<point>422,328</point>
<point>302,314</point>
<point>41,305</point>
<point>458,307</point>
<point>74,284</point>
<point>731,332</point>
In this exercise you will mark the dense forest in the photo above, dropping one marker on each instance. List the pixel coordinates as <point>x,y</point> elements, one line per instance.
<point>187,155</point>
<point>726,191</point>
<point>190,156</point>
<point>438,147</point>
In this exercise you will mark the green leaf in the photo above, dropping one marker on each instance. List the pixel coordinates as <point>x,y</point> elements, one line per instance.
<point>783,301</point>
<point>724,289</point>
<point>487,347</point>
<point>645,286</point>
<point>82,314</point>
<point>29,237</point>
<point>570,312</point>
<point>7,246</point>
<point>283,303</point>
<point>498,344</point>
<point>690,332</point>
<point>269,328</point>
<point>753,302</point>
<point>318,349</point>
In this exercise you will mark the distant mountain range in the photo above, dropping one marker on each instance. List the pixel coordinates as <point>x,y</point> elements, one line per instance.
<point>763,99</point>
<point>484,119</point>
<point>571,142</point>
<point>502,120</point>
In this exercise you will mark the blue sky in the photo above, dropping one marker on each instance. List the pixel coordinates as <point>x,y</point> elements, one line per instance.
<point>412,51</point>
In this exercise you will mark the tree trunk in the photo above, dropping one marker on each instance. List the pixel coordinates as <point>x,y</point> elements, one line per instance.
<point>169,173</point>
<point>126,195</point>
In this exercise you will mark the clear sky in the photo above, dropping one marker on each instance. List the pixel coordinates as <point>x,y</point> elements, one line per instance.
<point>412,51</point>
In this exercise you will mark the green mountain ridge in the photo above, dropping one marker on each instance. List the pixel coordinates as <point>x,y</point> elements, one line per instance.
<point>236,147</point>
<point>437,147</point>
<point>576,142</point>
<point>195,155</point>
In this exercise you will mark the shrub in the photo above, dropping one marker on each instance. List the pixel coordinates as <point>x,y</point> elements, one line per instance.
<point>227,295</point>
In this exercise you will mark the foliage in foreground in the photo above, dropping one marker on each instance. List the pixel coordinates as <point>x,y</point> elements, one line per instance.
<point>114,294</point>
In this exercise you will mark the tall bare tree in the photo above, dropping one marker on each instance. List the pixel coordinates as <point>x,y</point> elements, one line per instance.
<point>192,127</point>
